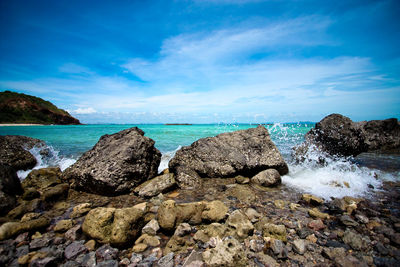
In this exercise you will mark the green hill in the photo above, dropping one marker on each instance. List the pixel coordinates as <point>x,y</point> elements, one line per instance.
<point>22,108</point>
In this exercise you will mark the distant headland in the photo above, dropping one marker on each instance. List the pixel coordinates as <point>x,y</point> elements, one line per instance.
<point>16,108</point>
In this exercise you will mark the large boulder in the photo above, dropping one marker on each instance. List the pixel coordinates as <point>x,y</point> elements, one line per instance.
<point>14,151</point>
<point>9,186</point>
<point>244,152</point>
<point>339,135</point>
<point>116,164</point>
<point>115,226</point>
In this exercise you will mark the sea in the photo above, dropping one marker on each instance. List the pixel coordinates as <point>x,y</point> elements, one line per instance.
<point>337,177</point>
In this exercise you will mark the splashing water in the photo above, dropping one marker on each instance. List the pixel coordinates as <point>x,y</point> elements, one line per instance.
<point>50,158</point>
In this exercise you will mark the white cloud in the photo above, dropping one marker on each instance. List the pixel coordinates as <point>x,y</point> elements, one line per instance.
<point>81,111</point>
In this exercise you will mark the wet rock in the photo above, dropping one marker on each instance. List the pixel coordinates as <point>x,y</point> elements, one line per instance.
<point>279,203</point>
<point>253,215</point>
<point>30,216</point>
<point>80,210</point>
<point>151,227</point>
<point>304,232</point>
<point>333,253</point>
<point>42,178</point>
<point>338,135</point>
<point>214,211</point>
<point>178,244</point>
<point>148,261</point>
<point>30,193</point>
<point>91,245</point>
<point>348,221</point>
<point>116,164</point>
<point>240,223</point>
<point>167,215</point>
<point>278,248</point>
<point>242,180</point>
<point>256,245</point>
<point>272,230</point>
<point>106,252</point>
<point>183,229</point>
<point>23,208</point>
<point>22,237</point>
<point>136,258</point>
<point>211,230</point>
<point>156,185</point>
<point>74,249</point>
<point>354,240</point>
<point>14,154</point>
<point>311,199</point>
<point>59,191</point>
<point>362,219</point>
<point>317,214</point>
<point>245,152</point>
<point>167,260</point>
<point>262,259</point>
<point>89,260</point>
<point>267,178</point>
<point>108,263</point>
<point>316,225</point>
<point>380,261</point>
<point>48,261</point>
<point>10,186</point>
<point>381,249</point>
<point>115,226</point>
<point>73,233</point>
<point>39,243</point>
<point>63,225</point>
<point>299,246</point>
<point>149,240</point>
<point>10,229</point>
<point>228,252</point>
<point>243,193</point>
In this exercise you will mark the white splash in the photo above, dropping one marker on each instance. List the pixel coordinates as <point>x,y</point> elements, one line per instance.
<point>165,158</point>
<point>49,159</point>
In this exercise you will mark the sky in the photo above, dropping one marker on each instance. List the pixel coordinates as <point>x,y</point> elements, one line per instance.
<point>204,61</point>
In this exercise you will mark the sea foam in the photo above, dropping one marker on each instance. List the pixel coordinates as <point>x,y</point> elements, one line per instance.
<point>49,159</point>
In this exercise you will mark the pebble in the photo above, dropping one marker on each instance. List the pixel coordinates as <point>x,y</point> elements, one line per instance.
<point>299,246</point>
<point>74,249</point>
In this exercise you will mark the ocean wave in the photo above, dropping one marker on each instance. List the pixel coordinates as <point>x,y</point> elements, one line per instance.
<point>165,158</point>
<point>47,156</point>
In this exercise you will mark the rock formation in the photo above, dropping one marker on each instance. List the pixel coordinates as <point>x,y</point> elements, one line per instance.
<point>339,135</point>
<point>116,164</point>
<point>245,152</point>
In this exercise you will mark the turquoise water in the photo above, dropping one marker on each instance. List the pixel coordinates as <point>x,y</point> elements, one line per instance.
<point>73,140</point>
<point>68,142</point>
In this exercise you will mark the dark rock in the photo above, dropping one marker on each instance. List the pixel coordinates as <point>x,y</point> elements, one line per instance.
<point>116,164</point>
<point>57,192</point>
<point>304,232</point>
<point>73,233</point>
<point>136,258</point>
<point>339,135</point>
<point>44,262</point>
<point>6,252</point>
<point>23,208</point>
<point>30,193</point>
<point>148,262</point>
<point>89,260</point>
<point>10,186</point>
<point>108,263</point>
<point>39,243</point>
<point>347,220</point>
<point>381,249</point>
<point>74,249</point>
<point>386,262</point>
<point>106,252</point>
<point>13,152</point>
<point>167,260</point>
<point>245,152</point>
<point>336,244</point>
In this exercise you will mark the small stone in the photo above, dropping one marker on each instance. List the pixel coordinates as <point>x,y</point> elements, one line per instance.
<point>240,223</point>
<point>74,249</point>
<point>242,180</point>
<point>317,214</point>
<point>139,248</point>
<point>316,225</point>
<point>304,232</point>
<point>30,216</point>
<point>256,245</point>
<point>80,210</point>
<point>253,215</point>
<point>299,246</point>
<point>167,260</point>
<point>157,252</point>
<point>214,211</point>
<point>124,262</point>
<point>89,260</point>
<point>311,199</point>
<point>151,227</point>
<point>39,243</point>
<point>136,258</point>
<point>73,233</point>
<point>278,248</point>
<point>348,221</point>
<point>149,240</point>
<point>141,206</point>
<point>106,252</point>
<point>183,229</point>
<point>91,245</point>
<point>36,235</point>
<point>354,240</point>
<point>362,219</point>
<point>312,238</point>
<point>63,225</point>
<point>229,252</point>
<point>293,206</point>
<point>280,204</point>
<point>108,263</point>
<point>267,178</point>
<point>22,237</point>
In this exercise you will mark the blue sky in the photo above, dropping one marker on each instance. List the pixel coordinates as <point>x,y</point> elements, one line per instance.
<point>205,61</point>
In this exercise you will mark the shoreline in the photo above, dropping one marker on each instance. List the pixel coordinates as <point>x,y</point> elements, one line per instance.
<point>21,124</point>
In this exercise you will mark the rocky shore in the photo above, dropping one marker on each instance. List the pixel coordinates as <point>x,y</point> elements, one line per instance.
<point>220,203</point>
